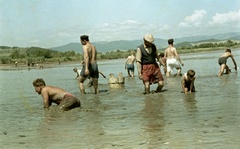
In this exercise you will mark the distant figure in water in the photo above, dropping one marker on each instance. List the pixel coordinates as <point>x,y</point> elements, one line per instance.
<point>50,94</point>
<point>188,81</point>
<point>78,71</point>
<point>129,65</point>
<point>173,59</point>
<point>222,61</point>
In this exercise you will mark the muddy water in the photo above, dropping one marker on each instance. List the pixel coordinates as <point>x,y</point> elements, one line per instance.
<point>124,118</point>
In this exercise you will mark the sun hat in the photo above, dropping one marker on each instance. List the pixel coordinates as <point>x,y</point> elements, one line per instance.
<point>148,38</point>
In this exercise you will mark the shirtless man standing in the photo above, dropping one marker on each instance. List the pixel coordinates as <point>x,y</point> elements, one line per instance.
<point>173,59</point>
<point>222,61</point>
<point>90,67</point>
<point>129,65</point>
<point>50,94</point>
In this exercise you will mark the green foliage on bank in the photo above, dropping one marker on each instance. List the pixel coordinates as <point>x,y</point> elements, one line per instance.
<point>39,55</point>
<point>207,46</point>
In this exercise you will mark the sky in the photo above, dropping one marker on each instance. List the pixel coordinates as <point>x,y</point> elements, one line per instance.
<point>52,23</point>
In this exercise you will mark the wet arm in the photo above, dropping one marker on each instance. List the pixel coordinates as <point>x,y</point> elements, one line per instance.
<point>77,75</point>
<point>178,57</point>
<point>139,63</point>
<point>161,62</point>
<point>191,85</point>
<point>126,63</point>
<point>165,54</point>
<point>46,102</point>
<point>86,59</point>
<point>234,62</point>
<point>101,74</point>
<point>183,85</point>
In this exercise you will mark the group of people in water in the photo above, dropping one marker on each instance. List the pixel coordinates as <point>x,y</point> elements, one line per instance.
<point>148,62</point>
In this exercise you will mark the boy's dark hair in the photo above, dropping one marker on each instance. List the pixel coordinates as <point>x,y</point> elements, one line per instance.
<point>39,82</point>
<point>191,73</point>
<point>170,41</point>
<point>228,50</point>
<point>84,37</point>
<point>161,54</point>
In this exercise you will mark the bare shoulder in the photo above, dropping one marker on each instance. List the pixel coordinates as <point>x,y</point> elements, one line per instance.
<point>184,78</point>
<point>53,89</point>
<point>227,55</point>
<point>167,49</point>
<point>93,47</point>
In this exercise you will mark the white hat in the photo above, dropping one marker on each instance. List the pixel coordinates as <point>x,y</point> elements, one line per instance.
<point>148,38</point>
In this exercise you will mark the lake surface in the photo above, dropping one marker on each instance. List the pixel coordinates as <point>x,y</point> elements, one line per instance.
<point>124,118</point>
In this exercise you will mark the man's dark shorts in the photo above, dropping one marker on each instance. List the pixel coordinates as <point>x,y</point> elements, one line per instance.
<point>93,69</point>
<point>130,67</point>
<point>222,60</point>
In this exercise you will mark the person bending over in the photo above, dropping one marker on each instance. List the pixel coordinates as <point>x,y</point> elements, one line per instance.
<point>222,61</point>
<point>188,81</point>
<point>65,100</point>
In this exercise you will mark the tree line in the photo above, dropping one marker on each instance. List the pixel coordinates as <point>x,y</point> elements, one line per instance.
<point>39,55</point>
<point>10,55</point>
<point>228,43</point>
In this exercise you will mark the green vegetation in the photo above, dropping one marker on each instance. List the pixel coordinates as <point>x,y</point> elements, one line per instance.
<point>9,55</point>
<point>206,46</point>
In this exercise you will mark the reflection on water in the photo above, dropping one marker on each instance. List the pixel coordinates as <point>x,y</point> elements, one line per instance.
<point>153,120</point>
<point>123,117</point>
<point>190,103</point>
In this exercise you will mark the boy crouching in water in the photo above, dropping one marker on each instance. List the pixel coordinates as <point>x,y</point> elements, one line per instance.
<point>188,81</point>
<point>51,94</point>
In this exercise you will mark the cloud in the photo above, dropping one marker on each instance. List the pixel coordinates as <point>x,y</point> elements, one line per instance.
<point>194,19</point>
<point>125,30</point>
<point>230,17</point>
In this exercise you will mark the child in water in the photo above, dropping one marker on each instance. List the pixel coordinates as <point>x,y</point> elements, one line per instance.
<point>188,81</point>
<point>222,61</point>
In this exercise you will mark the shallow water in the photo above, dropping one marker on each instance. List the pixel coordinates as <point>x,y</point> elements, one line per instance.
<point>124,118</point>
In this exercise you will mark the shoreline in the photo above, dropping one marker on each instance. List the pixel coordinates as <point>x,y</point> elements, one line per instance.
<point>22,66</point>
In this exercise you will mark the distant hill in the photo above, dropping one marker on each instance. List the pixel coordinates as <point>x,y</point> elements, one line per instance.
<point>235,38</point>
<point>109,46</point>
<point>125,45</point>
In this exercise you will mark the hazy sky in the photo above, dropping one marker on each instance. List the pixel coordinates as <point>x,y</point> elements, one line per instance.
<point>50,23</point>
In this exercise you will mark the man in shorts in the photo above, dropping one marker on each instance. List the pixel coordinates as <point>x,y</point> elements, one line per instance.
<point>51,94</point>
<point>222,61</point>
<point>129,65</point>
<point>90,67</point>
<point>173,59</point>
<point>148,69</point>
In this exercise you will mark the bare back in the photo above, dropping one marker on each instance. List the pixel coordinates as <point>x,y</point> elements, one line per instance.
<point>171,52</point>
<point>90,53</point>
<point>53,94</point>
<point>227,55</point>
<point>131,59</point>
